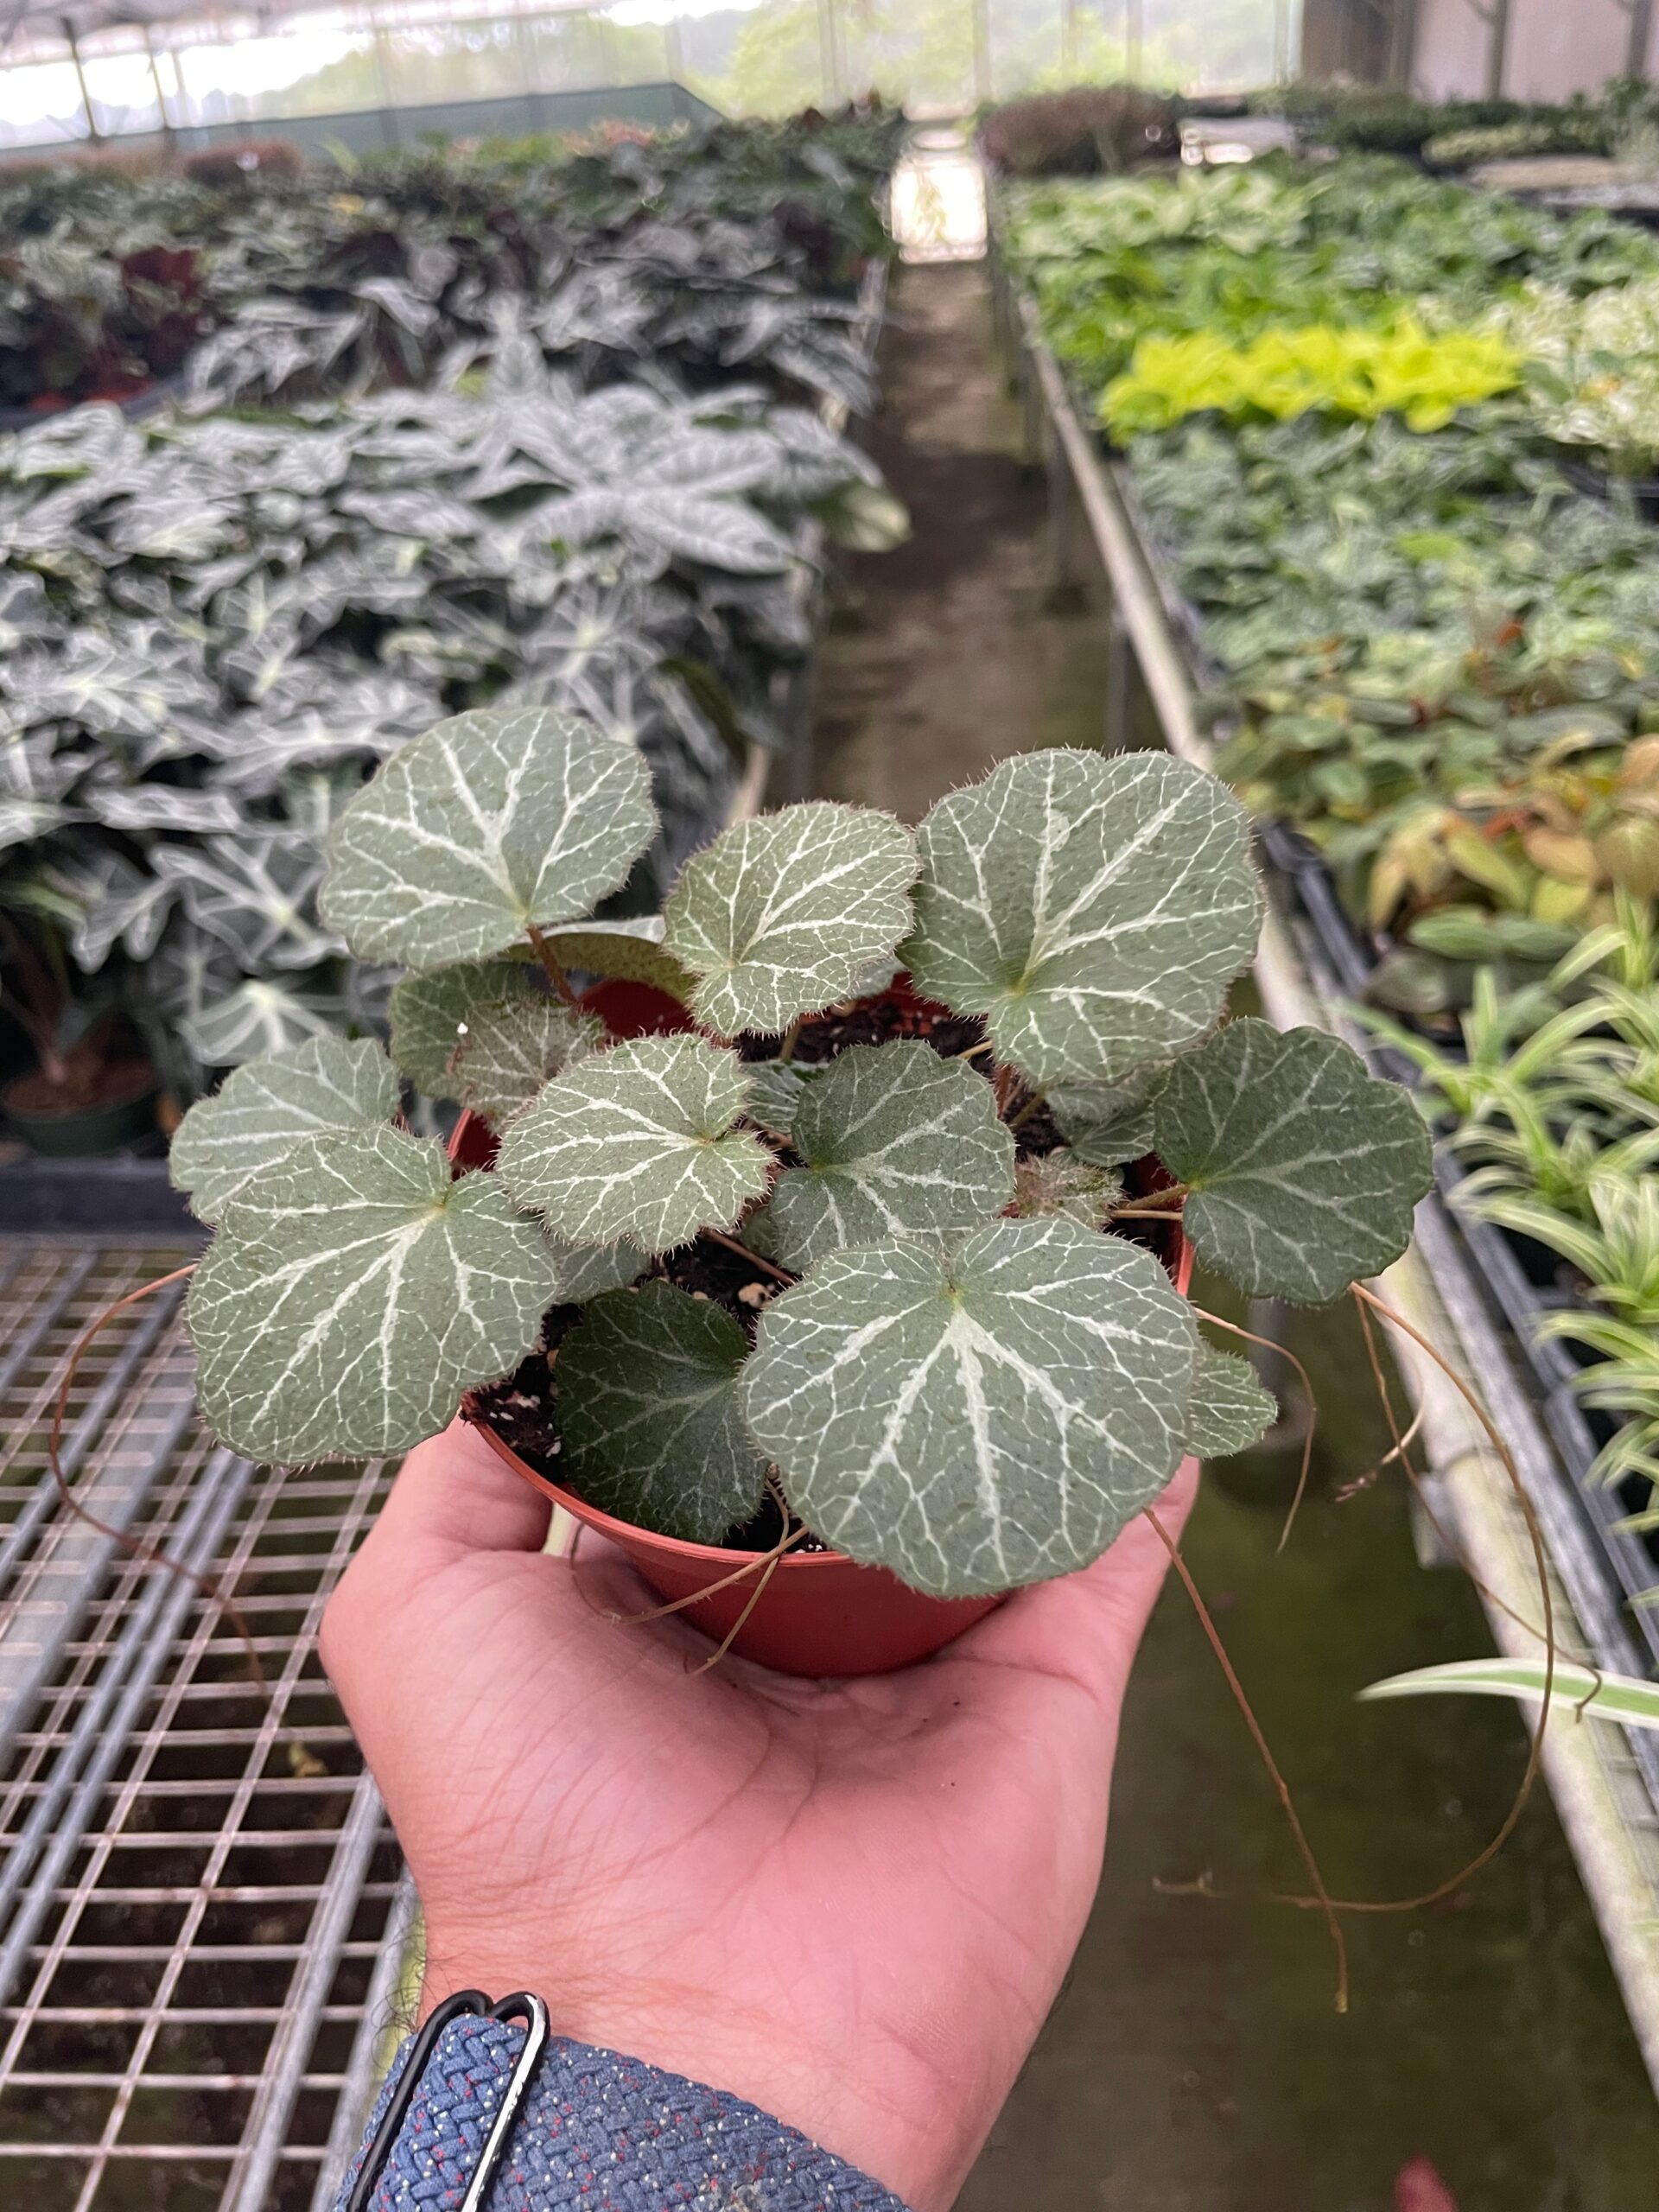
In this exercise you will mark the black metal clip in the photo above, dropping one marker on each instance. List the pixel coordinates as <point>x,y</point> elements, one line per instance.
<point>473,2003</point>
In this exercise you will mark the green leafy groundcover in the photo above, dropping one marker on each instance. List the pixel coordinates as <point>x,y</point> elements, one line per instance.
<point>1437,655</point>
<point>1433,651</point>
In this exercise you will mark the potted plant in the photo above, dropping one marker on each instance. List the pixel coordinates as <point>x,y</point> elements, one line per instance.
<point>90,1088</point>
<point>843,1271</point>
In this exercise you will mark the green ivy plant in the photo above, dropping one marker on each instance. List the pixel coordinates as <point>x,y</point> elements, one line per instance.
<point>972,1374</point>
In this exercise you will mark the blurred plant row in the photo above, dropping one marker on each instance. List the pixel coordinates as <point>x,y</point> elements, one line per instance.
<point>1388,434</point>
<point>588,475</point>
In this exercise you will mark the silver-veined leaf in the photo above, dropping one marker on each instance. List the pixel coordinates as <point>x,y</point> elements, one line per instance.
<point>648,1412</point>
<point>775,1089</point>
<point>1304,1169</point>
<point>257,1019</point>
<point>489,824</point>
<point>638,1143</point>
<point>585,1271</point>
<point>1229,1410</point>
<point>895,1142</point>
<point>509,1048</point>
<point>1093,910</point>
<point>429,1013</point>
<point>980,1418</point>
<point>322,1088</point>
<point>1105,1124</point>
<point>779,916</point>
<point>355,1292</point>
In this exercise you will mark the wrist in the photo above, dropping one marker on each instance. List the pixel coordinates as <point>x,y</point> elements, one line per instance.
<point>888,2113</point>
<point>561,2112</point>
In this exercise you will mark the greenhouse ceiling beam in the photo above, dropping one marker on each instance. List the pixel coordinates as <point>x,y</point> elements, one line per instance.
<point>1636,53</point>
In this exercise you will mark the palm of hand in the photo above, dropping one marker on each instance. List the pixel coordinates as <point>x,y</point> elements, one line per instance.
<point>851,1903</point>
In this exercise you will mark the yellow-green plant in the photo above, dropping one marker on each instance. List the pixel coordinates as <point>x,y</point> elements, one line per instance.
<point>1404,369</point>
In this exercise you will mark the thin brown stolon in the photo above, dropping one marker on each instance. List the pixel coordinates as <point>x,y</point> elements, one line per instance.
<point>1322,1896</point>
<point>137,1546</point>
<point>1285,1352</point>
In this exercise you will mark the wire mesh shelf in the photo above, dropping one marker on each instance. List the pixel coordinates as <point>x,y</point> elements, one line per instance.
<point>202,1911</point>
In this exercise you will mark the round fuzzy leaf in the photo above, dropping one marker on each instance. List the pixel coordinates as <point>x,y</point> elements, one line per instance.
<point>649,1415</point>
<point>1304,1168</point>
<point>1105,1124</point>
<point>355,1292</point>
<point>585,1271</point>
<point>775,1089</point>
<point>977,1419</point>
<point>430,1012</point>
<point>1229,1410</point>
<point>1093,910</point>
<point>638,1142</point>
<point>630,951</point>
<point>781,914</point>
<point>896,1142</point>
<point>488,824</point>
<point>320,1088</point>
<point>509,1048</point>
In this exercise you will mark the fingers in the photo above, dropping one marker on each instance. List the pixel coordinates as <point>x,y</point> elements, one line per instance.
<point>1087,1626</point>
<point>457,1493</point>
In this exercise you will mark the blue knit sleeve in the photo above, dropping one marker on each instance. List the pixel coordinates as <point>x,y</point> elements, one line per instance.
<point>597,2134</point>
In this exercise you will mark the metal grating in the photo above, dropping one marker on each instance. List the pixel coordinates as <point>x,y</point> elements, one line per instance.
<point>202,1912</point>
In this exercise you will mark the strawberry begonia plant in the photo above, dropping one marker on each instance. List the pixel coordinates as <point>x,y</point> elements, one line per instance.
<point>970,1374</point>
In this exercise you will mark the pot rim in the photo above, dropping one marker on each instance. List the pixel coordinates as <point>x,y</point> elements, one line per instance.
<point>151,1089</point>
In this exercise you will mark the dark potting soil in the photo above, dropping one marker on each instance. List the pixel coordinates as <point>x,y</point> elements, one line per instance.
<point>86,1083</point>
<point>896,1013</point>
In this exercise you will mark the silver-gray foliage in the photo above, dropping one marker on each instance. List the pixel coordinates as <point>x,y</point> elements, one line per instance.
<point>639,1142</point>
<point>652,1431</point>
<point>895,1141</point>
<point>1093,910</point>
<point>977,1419</point>
<point>487,827</point>
<point>1229,1410</point>
<point>355,1292</point>
<point>1304,1169</point>
<point>323,1088</point>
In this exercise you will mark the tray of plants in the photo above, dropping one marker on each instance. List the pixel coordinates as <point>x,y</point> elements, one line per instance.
<point>845,1218</point>
<point>1457,806</point>
<point>549,503</point>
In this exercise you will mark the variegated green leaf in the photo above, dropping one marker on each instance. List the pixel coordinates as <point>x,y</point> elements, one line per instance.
<point>1058,1182</point>
<point>259,1018</point>
<point>649,1415</point>
<point>509,1048</point>
<point>1105,1124</point>
<point>585,1271</point>
<point>639,1142</point>
<point>261,1112</point>
<point>896,1142</point>
<point>775,1089</point>
<point>355,1292</point>
<point>488,824</point>
<point>631,950</point>
<point>1304,1169</point>
<point>1575,1693</point>
<point>781,914</point>
<point>1093,910</point>
<point>980,1418</point>
<point>1229,1410</point>
<point>429,1014</point>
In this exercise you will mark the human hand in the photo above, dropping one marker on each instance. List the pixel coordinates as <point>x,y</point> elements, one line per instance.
<point>851,1902</point>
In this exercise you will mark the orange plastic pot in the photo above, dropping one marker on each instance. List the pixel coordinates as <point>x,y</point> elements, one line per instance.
<point>817,1613</point>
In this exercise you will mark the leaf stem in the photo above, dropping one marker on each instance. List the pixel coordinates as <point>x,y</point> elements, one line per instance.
<point>1026,1112</point>
<point>731,1245</point>
<point>551,968</point>
<point>792,1038</point>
